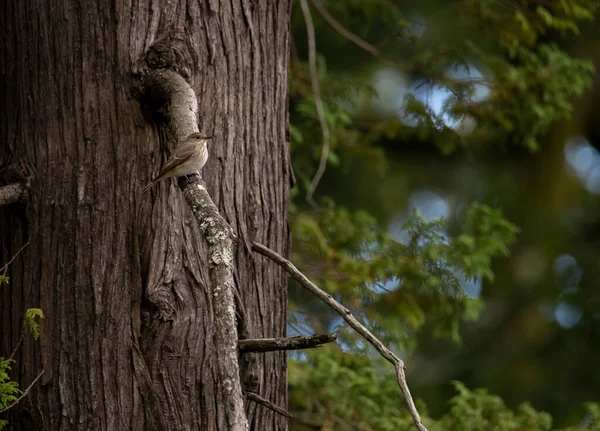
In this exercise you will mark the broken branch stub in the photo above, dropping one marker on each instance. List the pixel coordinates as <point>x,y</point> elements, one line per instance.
<point>291,343</point>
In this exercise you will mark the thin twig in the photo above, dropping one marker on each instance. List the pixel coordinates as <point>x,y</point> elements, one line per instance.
<point>361,43</point>
<point>268,404</point>
<point>19,342</point>
<point>4,270</point>
<point>314,78</point>
<point>5,267</point>
<point>290,343</point>
<point>351,320</point>
<point>337,26</point>
<point>24,393</point>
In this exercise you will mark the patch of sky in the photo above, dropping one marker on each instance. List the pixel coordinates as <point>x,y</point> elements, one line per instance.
<point>593,180</point>
<point>430,205</point>
<point>386,286</point>
<point>567,315</point>
<point>471,288</point>
<point>359,343</point>
<point>298,324</point>
<point>566,270</point>
<point>568,274</point>
<point>583,161</point>
<point>438,98</point>
<point>416,27</point>
<point>391,87</point>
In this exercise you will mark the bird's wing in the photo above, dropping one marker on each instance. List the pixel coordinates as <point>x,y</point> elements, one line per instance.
<point>182,153</point>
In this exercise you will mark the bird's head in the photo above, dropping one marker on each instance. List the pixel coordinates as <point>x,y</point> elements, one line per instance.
<point>198,138</point>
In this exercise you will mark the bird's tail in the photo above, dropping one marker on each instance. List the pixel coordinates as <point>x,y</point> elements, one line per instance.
<point>145,189</point>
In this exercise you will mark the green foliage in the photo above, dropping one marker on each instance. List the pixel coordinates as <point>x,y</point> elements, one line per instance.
<point>531,93</point>
<point>346,140</point>
<point>397,285</point>
<point>9,390</point>
<point>486,235</point>
<point>30,321</point>
<point>478,411</point>
<point>523,24</point>
<point>364,393</point>
<point>530,84</point>
<point>409,283</point>
<point>357,391</point>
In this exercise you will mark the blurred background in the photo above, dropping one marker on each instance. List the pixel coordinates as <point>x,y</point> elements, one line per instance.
<point>433,107</point>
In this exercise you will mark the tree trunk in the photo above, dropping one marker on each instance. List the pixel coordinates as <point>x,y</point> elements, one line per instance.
<point>128,337</point>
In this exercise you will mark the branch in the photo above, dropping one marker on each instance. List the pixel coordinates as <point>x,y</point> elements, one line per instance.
<point>219,236</point>
<point>337,26</point>
<point>18,343</point>
<point>314,78</point>
<point>24,393</point>
<point>293,343</point>
<point>351,320</point>
<point>13,193</point>
<point>3,271</point>
<point>405,66</point>
<point>172,95</point>
<point>5,267</point>
<point>268,404</point>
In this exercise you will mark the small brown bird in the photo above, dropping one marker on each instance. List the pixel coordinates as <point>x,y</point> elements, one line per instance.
<point>188,158</point>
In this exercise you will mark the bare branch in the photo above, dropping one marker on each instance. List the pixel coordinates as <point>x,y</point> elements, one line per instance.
<point>5,267</point>
<point>351,320</point>
<point>3,271</point>
<point>314,78</point>
<point>172,94</point>
<point>337,26</point>
<point>24,393</point>
<point>268,404</point>
<point>13,193</point>
<point>14,352</point>
<point>292,343</point>
<point>407,67</point>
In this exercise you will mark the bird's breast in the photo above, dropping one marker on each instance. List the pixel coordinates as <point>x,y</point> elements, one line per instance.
<point>203,158</point>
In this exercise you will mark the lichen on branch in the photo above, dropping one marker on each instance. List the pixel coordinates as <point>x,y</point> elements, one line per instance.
<point>170,95</point>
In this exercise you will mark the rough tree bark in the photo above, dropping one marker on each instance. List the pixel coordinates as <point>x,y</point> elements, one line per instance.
<point>128,338</point>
